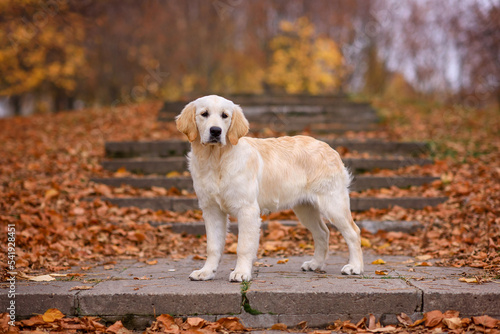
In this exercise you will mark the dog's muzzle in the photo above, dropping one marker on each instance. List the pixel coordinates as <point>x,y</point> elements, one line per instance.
<point>215,133</point>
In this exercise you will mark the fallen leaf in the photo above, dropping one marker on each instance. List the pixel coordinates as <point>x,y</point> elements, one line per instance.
<point>142,278</point>
<point>423,264</point>
<point>452,323</point>
<point>486,321</point>
<point>233,248</point>
<point>152,262</point>
<point>468,280</point>
<point>378,261</point>
<point>81,287</point>
<point>279,327</point>
<point>282,261</point>
<point>51,193</point>
<point>365,243</point>
<point>232,324</point>
<point>109,267</point>
<point>41,278</point>
<point>199,257</point>
<point>381,272</point>
<point>386,329</point>
<point>52,314</point>
<point>195,322</point>
<point>433,318</point>
<point>173,174</point>
<point>405,320</point>
<point>372,322</point>
<point>118,328</point>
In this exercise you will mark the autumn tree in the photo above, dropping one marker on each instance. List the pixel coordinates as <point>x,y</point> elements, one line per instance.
<point>302,62</point>
<point>40,48</point>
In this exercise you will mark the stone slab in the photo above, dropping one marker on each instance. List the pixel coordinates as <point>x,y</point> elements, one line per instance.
<point>468,299</point>
<point>36,298</point>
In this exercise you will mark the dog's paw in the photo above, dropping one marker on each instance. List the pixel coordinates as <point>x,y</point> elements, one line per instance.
<point>350,269</point>
<point>312,265</point>
<point>202,275</point>
<point>239,276</point>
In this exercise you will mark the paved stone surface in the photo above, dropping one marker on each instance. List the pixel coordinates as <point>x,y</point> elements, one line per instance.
<point>173,147</point>
<point>181,204</point>
<point>136,291</point>
<point>359,183</point>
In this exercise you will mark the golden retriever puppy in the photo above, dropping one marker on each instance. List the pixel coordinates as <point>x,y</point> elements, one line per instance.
<point>246,177</point>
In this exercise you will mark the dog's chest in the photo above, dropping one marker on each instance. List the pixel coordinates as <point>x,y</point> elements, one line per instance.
<point>210,183</point>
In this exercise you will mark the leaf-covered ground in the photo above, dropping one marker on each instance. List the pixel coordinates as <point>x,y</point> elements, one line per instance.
<point>47,160</point>
<point>54,321</point>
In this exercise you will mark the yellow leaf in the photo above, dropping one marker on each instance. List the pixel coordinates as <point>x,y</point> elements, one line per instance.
<point>468,280</point>
<point>384,245</point>
<point>424,264</point>
<point>173,174</point>
<point>381,272</point>
<point>51,193</point>
<point>232,249</point>
<point>52,314</point>
<point>41,278</point>
<point>365,243</point>
<point>423,257</point>
<point>283,261</point>
<point>378,261</point>
<point>122,171</point>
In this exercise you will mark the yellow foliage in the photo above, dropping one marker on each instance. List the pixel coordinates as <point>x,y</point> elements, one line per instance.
<point>304,62</point>
<point>44,51</point>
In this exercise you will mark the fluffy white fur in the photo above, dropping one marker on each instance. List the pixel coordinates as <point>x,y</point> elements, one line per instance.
<point>246,177</point>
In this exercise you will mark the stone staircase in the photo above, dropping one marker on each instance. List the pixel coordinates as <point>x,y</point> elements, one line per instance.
<point>151,161</point>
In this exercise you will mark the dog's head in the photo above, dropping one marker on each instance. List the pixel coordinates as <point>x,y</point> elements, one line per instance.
<point>213,119</point>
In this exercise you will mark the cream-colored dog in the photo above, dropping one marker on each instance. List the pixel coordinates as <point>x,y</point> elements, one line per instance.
<point>246,177</point>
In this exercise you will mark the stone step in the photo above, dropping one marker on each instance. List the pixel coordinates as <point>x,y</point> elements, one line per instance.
<point>181,204</point>
<point>372,226</point>
<point>135,292</point>
<point>292,128</point>
<point>359,183</point>
<point>298,114</point>
<point>166,165</point>
<point>173,147</point>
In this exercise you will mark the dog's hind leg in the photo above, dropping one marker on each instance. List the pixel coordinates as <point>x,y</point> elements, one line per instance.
<point>310,217</point>
<point>336,209</point>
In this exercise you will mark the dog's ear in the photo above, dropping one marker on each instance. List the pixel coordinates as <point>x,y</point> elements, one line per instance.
<point>239,126</point>
<point>186,122</point>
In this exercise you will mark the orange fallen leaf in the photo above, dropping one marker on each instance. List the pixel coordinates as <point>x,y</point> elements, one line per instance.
<point>52,315</point>
<point>486,321</point>
<point>433,318</point>
<point>232,324</point>
<point>282,261</point>
<point>378,261</point>
<point>381,272</point>
<point>51,193</point>
<point>118,328</point>
<point>279,327</point>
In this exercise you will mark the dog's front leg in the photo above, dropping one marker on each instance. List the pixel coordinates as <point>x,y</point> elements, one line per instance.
<point>248,243</point>
<point>216,228</point>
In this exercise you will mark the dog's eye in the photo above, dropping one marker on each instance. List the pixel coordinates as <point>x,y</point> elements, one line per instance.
<point>224,115</point>
<point>204,114</point>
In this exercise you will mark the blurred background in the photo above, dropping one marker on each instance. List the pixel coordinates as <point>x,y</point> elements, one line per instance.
<point>72,54</point>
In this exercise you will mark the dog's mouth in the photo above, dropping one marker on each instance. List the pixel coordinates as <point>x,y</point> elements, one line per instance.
<point>214,140</point>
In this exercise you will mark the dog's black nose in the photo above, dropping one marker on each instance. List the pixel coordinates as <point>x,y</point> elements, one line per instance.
<point>215,131</point>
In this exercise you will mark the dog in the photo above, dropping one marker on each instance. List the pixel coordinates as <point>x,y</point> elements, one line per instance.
<point>245,177</point>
